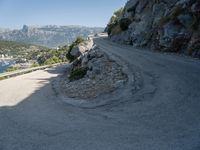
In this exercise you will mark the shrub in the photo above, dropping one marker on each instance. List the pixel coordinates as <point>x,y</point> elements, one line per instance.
<point>34,65</point>
<point>110,28</point>
<point>78,73</point>
<point>173,15</point>
<point>68,55</point>
<point>119,13</point>
<point>114,20</point>
<point>116,30</point>
<point>124,23</point>
<point>78,40</point>
<point>2,78</point>
<point>12,68</point>
<point>52,60</point>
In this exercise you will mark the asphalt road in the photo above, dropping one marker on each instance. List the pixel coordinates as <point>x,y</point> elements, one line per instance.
<point>163,115</point>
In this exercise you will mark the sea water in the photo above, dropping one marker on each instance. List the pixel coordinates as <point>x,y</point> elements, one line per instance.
<point>4,65</point>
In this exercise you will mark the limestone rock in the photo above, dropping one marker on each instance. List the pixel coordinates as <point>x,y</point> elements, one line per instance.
<point>82,48</point>
<point>164,25</point>
<point>75,52</point>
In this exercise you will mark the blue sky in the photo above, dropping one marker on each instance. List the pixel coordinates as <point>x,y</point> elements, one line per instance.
<point>15,13</point>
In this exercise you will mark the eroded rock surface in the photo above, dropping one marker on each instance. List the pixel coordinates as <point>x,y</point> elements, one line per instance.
<point>164,25</point>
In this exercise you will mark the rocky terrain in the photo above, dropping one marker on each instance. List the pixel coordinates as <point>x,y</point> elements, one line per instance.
<point>48,36</point>
<point>92,73</point>
<point>163,25</point>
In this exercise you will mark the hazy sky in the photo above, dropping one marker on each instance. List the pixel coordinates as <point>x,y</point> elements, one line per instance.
<point>15,13</point>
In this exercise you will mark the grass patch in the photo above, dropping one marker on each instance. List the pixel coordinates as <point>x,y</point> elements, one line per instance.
<point>52,60</point>
<point>78,73</point>
<point>34,65</point>
<point>2,78</point>
<point>12,68</point>
<point>174,13</point>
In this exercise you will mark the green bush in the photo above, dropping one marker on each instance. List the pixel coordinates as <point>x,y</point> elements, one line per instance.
<point>34,65</point>
<point>114,20</point>
<point>124,23</point>
<point>78,73</point>
<point>2,78</point>
<point>12,68</point>
<point>78,40</point>
<point>174,13</point>
<point>52,60</point>
<point>68,55</point>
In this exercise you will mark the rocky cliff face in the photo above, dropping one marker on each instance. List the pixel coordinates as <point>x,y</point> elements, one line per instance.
<point>49,36</point>
<point>164,25</point>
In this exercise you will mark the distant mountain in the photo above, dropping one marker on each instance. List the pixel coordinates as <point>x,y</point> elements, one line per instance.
<point>4,30</point>
<point>49,36</point>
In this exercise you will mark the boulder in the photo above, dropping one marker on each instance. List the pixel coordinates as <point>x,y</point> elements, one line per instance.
<point>86,46</point>
<point>75,52</point>
<point>82,48</point>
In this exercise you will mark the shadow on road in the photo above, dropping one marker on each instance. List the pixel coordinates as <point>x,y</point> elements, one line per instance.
<point>30,122</point>
<point>42,122</point>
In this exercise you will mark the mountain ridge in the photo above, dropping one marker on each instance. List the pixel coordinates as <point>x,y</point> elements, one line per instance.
<point>49,35</point>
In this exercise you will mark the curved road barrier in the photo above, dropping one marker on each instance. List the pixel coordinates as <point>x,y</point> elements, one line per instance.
<point>7,75</point>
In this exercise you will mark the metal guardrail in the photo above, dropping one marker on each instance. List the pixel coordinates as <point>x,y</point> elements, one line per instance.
<point>25,71</point>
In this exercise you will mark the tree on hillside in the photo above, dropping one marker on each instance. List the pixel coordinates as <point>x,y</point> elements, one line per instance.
<point>117,16</point>
<point>119,13</point>
<point>114,20</point>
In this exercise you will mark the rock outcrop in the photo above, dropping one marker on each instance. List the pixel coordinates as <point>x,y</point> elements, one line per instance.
<point>92,73</point>
<point>164,25</point>
<point>82,48</point>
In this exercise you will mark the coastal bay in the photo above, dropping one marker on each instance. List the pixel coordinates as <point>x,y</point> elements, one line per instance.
<point>4,64</point>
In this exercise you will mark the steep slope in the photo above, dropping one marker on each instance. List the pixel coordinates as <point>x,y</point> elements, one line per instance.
<point>49,36</point>
<point>164,25</point>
